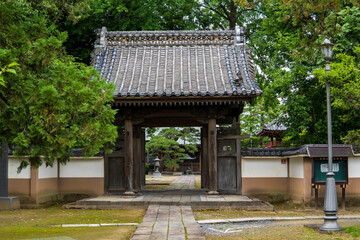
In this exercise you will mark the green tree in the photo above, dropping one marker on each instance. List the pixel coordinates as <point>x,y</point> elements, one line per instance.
<point>344,79</point>
<point>166,144</point>
<point>125,15</point>
<point>293,31</point>
<point>53,104</point>
<point>226,14</point>
<point>252,120</point>
<point>8,69</point>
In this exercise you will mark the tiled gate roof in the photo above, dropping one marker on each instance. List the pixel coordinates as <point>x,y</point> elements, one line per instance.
<point>176,63</point>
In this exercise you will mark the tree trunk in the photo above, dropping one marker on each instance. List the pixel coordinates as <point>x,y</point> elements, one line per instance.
<point>232,19</point>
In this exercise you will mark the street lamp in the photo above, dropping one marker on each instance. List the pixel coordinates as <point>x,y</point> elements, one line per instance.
<point>330,201</point>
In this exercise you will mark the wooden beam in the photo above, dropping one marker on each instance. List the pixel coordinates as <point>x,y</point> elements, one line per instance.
<point>247,136</point>
<point>186,100</point>
<point>129,157</point>
<point>212,149</point>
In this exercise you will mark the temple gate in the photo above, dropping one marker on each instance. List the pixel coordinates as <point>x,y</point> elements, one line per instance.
<point>177,78</point>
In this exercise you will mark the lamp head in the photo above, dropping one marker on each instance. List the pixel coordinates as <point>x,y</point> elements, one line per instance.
<point>326,49</point>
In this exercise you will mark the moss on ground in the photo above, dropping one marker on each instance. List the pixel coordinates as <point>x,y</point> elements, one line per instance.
<point>353,230</point>
<point>43,222</point>
<point>155,186</point>
<point>197,182</point>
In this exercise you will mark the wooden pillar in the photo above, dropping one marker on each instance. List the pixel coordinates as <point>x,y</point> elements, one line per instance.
<point>212,149</point>
<point>129,157</point>
<point>142,142</point>
<point>34,180</point>
<point>200,161</point>
<point>4,158</point>
<point>236,126</point>
<point>204,158</point>
<point>238,167</point>
<point>137,158</point>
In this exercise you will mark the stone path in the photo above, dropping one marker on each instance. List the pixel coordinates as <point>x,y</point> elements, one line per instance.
<point>183,182</point>
<point>169,223</point>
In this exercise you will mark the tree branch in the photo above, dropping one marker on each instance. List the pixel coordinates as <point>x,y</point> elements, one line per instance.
<point>60,12</point>
<point>215,10</point>
<point>225,11</point>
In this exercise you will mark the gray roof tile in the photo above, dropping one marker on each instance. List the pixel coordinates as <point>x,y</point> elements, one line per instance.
<point>175,63</point>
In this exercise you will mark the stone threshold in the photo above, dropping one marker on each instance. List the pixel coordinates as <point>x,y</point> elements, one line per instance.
<point>195,201</point>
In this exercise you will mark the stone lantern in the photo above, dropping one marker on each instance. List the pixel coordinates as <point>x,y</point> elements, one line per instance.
<point>157,173</point>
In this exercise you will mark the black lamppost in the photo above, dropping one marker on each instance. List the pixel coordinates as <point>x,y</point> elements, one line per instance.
<point>330,201</point>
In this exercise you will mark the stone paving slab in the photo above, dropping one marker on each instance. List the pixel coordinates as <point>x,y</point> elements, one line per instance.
<point>183,182</point>
<point>169,223</point>
<point>237,201</point>
<point>180,192</point>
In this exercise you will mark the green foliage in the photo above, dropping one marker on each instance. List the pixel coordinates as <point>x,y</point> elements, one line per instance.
<point>252,120</point>
<point>293,31</point>
<point>7,69</point>
<point>124,15</point>
<point>226,14</point>
<point>52,105</point>
<point>166,144</point>
<point>151,131</point>
<point>344,79</point>
<point>147,168</point>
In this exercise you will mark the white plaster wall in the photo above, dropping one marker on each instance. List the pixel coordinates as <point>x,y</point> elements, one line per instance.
<point>263,167</point>
<point>48,172</point>
<point>296,167</point>
<point>13,164</point>
<point>354,167</point>
<point>83,167</point>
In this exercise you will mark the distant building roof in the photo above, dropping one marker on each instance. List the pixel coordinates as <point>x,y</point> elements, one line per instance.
<point>176,63</point>
<point>311,150</point>
<point>274,127</point>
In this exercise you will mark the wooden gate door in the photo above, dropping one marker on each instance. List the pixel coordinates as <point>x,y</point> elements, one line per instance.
<point>228,160</point>
<point>114,169</point>
<point>139,158</point>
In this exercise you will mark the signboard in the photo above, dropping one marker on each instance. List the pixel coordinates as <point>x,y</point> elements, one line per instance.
<point>320,169</point>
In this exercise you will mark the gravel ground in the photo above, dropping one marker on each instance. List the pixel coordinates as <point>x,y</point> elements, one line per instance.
<point>275,230</point>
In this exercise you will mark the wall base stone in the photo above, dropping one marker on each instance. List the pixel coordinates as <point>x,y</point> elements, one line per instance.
<point>9,203</point>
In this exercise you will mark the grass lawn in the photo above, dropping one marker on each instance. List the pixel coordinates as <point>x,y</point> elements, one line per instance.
<point>40,223</point>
